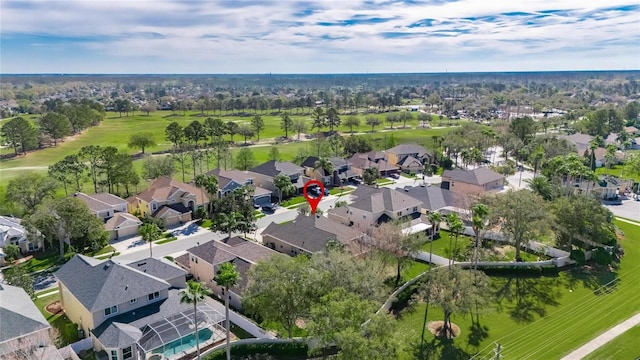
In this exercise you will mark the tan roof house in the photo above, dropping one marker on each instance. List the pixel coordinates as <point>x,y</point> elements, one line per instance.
<point>103,205</point>
<point>122,225</point>
<point>408,157</point>
<point>172,201</point>
<point>472,182</point>
<point>204,260</point>
<point>374,159</point>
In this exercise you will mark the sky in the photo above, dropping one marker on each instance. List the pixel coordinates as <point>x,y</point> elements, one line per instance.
<point>317,36</point>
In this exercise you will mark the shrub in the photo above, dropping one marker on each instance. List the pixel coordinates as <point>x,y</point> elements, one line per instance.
<point>602,256</point>
<point>577,255</point>
<point>446,163</point>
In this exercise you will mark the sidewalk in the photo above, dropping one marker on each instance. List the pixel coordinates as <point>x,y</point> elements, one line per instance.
<point>604,338</point>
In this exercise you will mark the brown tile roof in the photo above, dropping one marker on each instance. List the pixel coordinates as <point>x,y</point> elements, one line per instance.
<point>165,188</point>
<point>215,252</point>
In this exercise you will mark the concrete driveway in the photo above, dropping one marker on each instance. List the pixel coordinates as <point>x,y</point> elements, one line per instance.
<point>629,209</point>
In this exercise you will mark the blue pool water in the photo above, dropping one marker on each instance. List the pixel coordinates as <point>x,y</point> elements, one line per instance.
<point>186,343</point>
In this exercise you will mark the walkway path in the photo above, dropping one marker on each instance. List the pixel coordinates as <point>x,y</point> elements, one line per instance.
<point>603,338</point>
<point>246,324</point>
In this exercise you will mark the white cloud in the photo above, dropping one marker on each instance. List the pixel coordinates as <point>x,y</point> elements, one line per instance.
<point>260,35</point>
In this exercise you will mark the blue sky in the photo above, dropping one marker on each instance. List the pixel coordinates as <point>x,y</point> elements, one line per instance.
<point>317,36</point>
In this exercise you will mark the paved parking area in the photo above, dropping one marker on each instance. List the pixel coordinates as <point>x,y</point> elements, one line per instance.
<point>629,209</point>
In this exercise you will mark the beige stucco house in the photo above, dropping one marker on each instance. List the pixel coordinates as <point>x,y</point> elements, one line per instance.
<point>472,182</point>
<point>204,260</point>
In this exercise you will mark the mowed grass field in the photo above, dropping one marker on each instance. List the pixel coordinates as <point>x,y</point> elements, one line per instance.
<point>539,317</point>
<point>625,346</point>
<point>116,130</point>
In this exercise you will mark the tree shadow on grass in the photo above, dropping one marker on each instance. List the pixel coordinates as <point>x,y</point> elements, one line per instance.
<point>477,334</point>
<point>438,348</point>
<point>524,297</point>
<point>600,279</point>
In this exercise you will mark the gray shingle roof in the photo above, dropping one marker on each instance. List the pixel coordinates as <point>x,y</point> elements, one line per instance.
<point>216,252</point>
<point>18,314</point>
<point>107,283</point>
<point>109,199</point>
<point>119,335</point>
<point>273,168</point>
<point>93,204</point>
<point>406,149</point>
<point>384,199</point>
<point>160,268</point>
<point>142,316</point>
<point>478,176</point>
<point>435,198</point>
<point>301,233</point>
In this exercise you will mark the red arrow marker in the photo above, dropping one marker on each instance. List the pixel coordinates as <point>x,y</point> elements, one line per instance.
<point>313,202</point>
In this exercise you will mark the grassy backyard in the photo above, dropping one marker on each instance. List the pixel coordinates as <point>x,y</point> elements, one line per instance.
<point>540,317</point>
<point>68,330</point>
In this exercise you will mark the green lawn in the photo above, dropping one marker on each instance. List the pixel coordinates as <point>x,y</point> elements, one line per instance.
<point>293,201</point>
<point>68,330</point>
<point>115,131</point>
<point>541,317</point>
<point>42,261</point>
<point>617,171</point>
<point>624,346</point>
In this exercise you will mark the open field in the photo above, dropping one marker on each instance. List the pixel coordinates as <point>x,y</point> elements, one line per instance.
<point>115,131</point>
<point>540,317</point>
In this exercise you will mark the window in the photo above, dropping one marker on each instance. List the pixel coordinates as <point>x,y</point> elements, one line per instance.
<point>154,296</point>
<point>133,301</point>
<point>154,206</point>
<point>399,213</point>
<point>415,209</point>
<point>127,353</point>
<point>110,310</point>
<point>114,354</point>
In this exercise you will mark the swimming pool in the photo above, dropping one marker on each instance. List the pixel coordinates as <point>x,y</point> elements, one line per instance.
<point>186,343</point>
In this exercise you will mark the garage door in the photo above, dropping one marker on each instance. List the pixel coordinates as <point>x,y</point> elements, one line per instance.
<point>262,200</point>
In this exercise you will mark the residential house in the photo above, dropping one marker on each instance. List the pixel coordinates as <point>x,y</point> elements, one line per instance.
<point>434,198</point>
<point>472,182</point>
<point>374,206</point>
<point>126,309</point>
<point>340,173</point>
<point>204,260</point>
<point>266,172</point>
<point>103,205</point>
<point>122,225</point>
<point>606,188</point>
<point>631,130</point>
<point>408,157</point>
<point>373,159</point>
<point>24,332</point>
<point>171,201</point>
<point>580,141</point>
<point>230,180</point>
<point>311,234</point>
<point>13,233</point>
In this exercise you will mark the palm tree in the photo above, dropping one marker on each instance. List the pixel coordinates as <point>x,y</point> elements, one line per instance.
<point>435,218</point>
<point>455,226</point>
<point>227,276</point>
<point>210,185</point>
<point>230,222</point>
<point>325,164</point>
<point>195,292</point>
<point>479,214</point>
<point>541,186</point>
<point>150,233</point>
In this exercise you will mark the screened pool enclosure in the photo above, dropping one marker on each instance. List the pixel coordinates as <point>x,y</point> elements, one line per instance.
<point>175,334</point>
